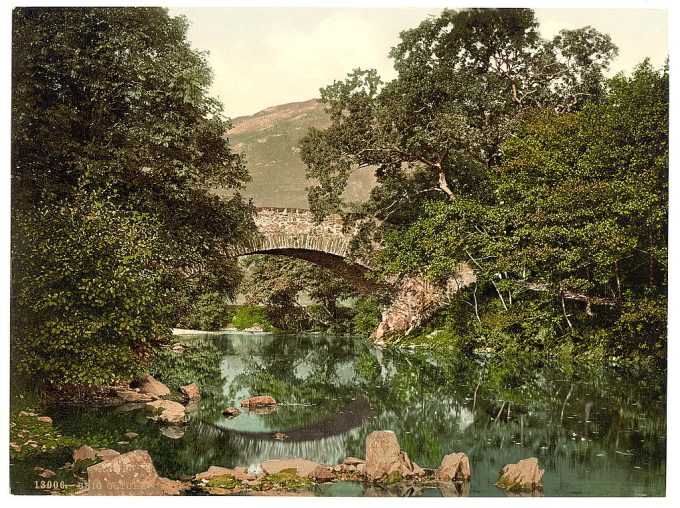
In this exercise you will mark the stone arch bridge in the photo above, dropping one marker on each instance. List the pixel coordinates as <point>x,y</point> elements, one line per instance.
<point>293,232</point>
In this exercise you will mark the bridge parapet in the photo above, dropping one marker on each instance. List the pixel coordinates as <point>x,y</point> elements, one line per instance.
<point>298,221</point>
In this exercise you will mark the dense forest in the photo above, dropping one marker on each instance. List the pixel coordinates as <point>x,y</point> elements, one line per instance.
<point>493,147</point>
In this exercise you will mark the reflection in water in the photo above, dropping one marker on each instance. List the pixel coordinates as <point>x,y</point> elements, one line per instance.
<point>596,430</point>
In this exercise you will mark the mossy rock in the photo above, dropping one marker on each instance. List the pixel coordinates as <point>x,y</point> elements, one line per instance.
<point>393,477</point>
<point>286,479</point>
<point>226,481</point>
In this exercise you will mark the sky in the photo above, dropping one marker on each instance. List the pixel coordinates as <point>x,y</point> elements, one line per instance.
<point>264,56</point>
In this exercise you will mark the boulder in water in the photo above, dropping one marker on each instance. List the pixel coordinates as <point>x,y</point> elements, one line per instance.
<point>455,466</point>
<point>148,384</point>
<point>525,475</point>
<point>258,401</point>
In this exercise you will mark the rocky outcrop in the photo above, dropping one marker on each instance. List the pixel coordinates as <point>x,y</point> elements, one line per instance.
<point>258,401</point>
<point>416,299</point>
<point>148,384</point>
<point>304,467</point>
<point>385,462</point>
<point>129,474</point>
<point>455,466</point>
<point>173,431</point>
<point>169,411</point>
<point>191,391</point>
<point>523,476</point>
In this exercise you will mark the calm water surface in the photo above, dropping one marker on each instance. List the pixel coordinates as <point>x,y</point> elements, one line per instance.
<point>597,431</point>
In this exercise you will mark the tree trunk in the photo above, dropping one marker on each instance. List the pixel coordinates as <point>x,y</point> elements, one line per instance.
<point>617,274</point>
<point>443,184</point>
<point>652,262</point>
<point>564,309</point>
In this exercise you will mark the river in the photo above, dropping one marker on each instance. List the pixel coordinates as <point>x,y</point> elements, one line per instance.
<point>597,430</point>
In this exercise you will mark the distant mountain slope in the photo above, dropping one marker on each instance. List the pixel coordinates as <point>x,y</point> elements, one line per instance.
<point>269,140</point>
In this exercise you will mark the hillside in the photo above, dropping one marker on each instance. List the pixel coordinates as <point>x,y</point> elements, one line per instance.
<point>269,141</point>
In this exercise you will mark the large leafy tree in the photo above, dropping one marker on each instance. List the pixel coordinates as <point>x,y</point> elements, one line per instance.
<point>115,98</point>
<point>579,219</point>
<point>119,93</point>
<point>585,204</point>
<point>464,81</point>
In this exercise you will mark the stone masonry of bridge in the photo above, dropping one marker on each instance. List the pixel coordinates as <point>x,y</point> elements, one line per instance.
<point>293,232</point>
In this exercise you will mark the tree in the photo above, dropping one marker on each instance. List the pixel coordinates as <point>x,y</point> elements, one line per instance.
<point>464,81</point>
<point>278,282</point>
<point>119,93</point>
<point>115,98</point>
<point>89,291</point>
<point>579,218</point>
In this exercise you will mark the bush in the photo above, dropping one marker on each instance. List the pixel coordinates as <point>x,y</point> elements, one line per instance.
<point>87,291</point>
<point>249,316</point>
<point>209,311</point>
<point>367,316</point>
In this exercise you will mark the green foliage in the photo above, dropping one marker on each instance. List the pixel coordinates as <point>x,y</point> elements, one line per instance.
<point>225,482</point>
<point>249,316</point>
<point>465,78</point>
<point>571,255</point>
<point>32,437</point>
<point>209,311</point>
<point>279,282</point>
<point>87,300</point>
<point>367,316</point>
<point>117,98</point>
<point>286,480</point>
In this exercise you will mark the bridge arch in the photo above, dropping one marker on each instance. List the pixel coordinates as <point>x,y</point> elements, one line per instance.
<point>293,232</point>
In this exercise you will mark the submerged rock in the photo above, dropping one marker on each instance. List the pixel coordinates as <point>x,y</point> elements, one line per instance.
<point>231,412</point>
<point>525,475</point>
<point>258,401</point>
<point>455,466</point>
<point>148,384</point>
<point>173,431</point>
